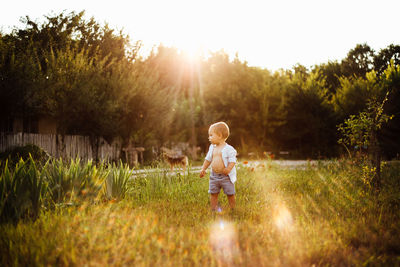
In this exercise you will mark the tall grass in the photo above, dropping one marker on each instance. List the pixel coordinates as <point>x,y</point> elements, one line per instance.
<point>321,215</point>
<point>69,182</point>
<point>116,186</point>
<point>22,191</point>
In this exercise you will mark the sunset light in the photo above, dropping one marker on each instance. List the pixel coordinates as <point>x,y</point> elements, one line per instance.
<point>269,34</point>
<point>200,133</point>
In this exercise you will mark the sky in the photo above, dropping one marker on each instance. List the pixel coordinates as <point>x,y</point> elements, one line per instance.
<point>271,34</point>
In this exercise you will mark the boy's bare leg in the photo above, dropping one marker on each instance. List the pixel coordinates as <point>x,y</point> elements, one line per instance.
<point>214,201</point>
<point>232,201</point>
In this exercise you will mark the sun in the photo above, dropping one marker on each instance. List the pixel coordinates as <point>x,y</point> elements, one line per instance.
<point>189,30</point>
<point>191,41</point>
<point>193,53</point>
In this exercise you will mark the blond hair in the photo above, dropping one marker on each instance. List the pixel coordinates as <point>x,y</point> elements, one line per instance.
<point>220,128</point>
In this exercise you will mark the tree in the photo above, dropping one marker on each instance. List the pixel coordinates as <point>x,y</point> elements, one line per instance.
<point>19,75</point>
<point>359,61</point>
<point>351,97</point>
<point>309,116</point>
<point>362,131</point>
<point>385,56</point>
<point>84,76</point>
<point>331,71</point>
<point>267,103</point>
<point>390,135</point>
<point>227,89</point>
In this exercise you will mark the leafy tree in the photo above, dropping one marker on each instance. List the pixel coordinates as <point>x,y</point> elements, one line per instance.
<point>19,74</point>
<point>267,103</point>
<point>227,86</point>
<point>362,131</point>
<point>64,31</point>
<point>331,71</point>
<point>390,135</point>
<point>144,106</point>
<point>385,56</point>
<point>86,77</point>
<point>351,97</point>
<point>359,61</point>
<point>309,116</point>
<point>180,78</point>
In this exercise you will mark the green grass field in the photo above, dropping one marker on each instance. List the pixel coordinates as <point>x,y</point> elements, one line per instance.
<point>323,215</point>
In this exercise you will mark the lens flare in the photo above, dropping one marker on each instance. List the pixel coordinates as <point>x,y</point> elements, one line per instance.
<point>283,218</point>
<point>223,240</point>
<point>219,209</point>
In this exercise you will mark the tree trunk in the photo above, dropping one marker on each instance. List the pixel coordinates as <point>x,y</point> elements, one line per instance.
<point>94,142</point>
<point>375,157</point>
<point>193,138</point>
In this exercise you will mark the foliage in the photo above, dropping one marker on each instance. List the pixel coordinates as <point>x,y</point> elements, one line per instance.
<point>386,57</point>
<point>359,61</point>
<point>357,130</point>
<point>73,181</point>
<point>22,191</point>
<point>28,188</point>
<point>309,116</point>
<point>361,131</point>
<point>317,215</point>
<point>116,184</point>
<point>390,135</point>
<point>15,154</point>
<point>92,81</point>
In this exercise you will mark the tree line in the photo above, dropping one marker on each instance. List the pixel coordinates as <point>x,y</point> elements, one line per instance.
<point>93,81</point>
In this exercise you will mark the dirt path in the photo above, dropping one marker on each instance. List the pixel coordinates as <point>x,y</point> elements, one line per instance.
<point>288,164</point>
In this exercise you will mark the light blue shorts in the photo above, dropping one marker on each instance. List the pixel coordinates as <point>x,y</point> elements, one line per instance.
<point>218,181</point>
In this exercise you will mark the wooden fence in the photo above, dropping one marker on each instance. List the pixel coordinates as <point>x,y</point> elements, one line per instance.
<point>69,146</point>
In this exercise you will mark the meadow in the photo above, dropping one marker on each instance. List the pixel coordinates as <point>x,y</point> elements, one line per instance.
<point>83,214</point>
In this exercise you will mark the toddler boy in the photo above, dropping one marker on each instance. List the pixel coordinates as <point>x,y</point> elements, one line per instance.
<point>222,158</point>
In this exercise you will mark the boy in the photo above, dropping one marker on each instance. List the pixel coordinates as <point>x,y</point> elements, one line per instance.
<point>222,158</point>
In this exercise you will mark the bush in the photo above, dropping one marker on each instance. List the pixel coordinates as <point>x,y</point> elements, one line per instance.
<point>13,155</point>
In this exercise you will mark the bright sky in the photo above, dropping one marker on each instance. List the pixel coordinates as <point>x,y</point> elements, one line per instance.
<point>270,34</point>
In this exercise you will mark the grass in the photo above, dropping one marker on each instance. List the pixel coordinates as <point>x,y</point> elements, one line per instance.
<point>323,215</point>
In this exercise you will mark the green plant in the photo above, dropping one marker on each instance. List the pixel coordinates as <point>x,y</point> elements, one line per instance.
<point>69,181</point>
<point>362,131</point>
<point>116,185</point>
<point>22,191</point>
<point>14,154</point>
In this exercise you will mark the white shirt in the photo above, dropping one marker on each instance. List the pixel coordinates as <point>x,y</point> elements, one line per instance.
<point>228,155</point>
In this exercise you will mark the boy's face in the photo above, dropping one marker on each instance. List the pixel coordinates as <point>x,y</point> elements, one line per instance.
<point>215,138</point>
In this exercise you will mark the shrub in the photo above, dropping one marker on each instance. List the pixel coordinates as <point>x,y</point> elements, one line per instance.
<point>14,154</point>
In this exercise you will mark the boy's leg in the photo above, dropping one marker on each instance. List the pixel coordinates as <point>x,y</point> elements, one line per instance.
<point>232,201</point>
<point>214,201</point>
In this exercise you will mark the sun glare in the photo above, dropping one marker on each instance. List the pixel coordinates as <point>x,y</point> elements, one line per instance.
<point>223,240</point>
<point>191,52</point>
<point>283,218</point>
<point>192,27</point>
<point>191,42</point>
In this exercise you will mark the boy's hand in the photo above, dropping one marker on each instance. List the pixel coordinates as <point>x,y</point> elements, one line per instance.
<point>226,171</point>
<point>202,173</point>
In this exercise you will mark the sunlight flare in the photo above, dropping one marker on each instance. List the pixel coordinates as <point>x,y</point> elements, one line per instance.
<point>223,240</point>
<point>283,218</point>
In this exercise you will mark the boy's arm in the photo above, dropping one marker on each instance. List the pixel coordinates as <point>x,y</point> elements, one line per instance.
<point>204,168</point>
<point>228,169</point>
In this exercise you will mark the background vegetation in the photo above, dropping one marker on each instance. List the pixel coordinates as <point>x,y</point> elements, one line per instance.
<point>92,81</point>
